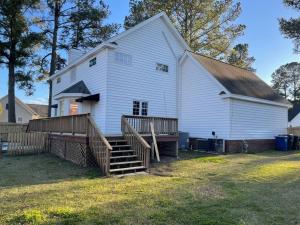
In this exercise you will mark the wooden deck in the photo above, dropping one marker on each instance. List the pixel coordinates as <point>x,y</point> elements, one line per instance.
<point>131,152</point>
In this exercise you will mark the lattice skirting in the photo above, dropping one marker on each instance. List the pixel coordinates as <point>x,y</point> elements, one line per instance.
<point>74,149</point>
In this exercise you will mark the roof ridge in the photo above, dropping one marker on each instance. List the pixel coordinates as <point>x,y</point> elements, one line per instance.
<point>209,57</point>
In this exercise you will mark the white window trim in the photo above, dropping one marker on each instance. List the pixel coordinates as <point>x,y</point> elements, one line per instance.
<point>161,71</point>
<point>140,108</point>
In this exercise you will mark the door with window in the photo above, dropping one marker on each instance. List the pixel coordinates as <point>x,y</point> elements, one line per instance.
<point>140,108</point>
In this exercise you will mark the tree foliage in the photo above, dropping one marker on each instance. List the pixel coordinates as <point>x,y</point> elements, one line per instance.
<point>71,24</point>
<point>239,56</point>
<point>206,25</point>
<point>286,81</point>
<point>291,28</point>
<point>17,46</point>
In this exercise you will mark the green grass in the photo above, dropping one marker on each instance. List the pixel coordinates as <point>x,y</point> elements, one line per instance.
<point>229,189</point>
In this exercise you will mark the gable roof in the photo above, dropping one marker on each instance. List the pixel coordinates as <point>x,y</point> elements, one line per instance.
<point>108,43</point>
<point>21,104</point>
<point>238,81</point>
<point>41,110</point>
<point>294,111</point>
<point>79,87</point>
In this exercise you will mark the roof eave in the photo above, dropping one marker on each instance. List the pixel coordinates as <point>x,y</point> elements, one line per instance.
<point>83,58</point>
<point>257,100</point>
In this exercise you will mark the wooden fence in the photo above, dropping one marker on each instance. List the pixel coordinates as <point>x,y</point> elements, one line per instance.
<point>22,143</point>
<point>294,131</point>
<point>6,128</point>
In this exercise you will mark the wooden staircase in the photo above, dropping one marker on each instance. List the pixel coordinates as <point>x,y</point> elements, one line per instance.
<point>123,158</point>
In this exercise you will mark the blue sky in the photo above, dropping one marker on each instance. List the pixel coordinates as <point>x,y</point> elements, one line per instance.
<point>266,43</point>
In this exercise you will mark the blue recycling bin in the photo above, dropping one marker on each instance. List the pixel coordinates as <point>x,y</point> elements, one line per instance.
<point>282,142</point>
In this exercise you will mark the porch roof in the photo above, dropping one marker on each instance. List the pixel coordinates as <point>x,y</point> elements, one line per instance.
<point>79,88</point>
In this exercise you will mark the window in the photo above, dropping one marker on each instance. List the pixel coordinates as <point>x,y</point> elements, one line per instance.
<point>73,75</point>
<point>93,62</point>
<point>73,107</point>
<point>123,59</point>
<point>162,67</point>
<point>61,107</point>
<point>144,108</point>
<point>20,119</point>
<point>140,108</point>
<point>55,111</point>
<point>136,108</point>
<point>58,80</point>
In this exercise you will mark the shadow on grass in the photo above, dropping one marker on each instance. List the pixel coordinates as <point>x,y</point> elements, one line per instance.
<point>40,169</point>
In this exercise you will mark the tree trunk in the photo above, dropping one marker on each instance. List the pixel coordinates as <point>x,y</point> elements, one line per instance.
<point>11,93</point>
<point>53,53</point>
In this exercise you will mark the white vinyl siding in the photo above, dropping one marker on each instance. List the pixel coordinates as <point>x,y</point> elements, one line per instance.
<point>95,79</point>
<point>202,108</point>
<point>251,120</point>
<point>147,46</point>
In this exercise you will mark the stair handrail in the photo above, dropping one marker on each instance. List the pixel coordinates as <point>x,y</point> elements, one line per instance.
<point>137,142</point>
<point>99,146</point>
<point>103,138</point>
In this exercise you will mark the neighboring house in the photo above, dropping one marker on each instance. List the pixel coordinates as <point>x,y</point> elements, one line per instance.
<point>24,112</point>
<point>294,115</point>
<point>149,70</point>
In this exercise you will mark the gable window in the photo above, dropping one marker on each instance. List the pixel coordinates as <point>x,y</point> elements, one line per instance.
<point>93,62</point>
<point>58,80</point>
<point>123,59</point>
<point>140,108</point>
<point>162,67</point>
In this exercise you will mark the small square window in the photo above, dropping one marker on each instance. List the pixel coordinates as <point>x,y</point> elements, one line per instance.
<point>20,119</point>
<point>58,80</point>
<point>162,67</point>
<point>123,59</point>
<point>93,62</point>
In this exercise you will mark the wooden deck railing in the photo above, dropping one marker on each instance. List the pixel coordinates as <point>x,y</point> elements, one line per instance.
<point>78,124</point>
<point>99,146</point>
<point>162,125</point>
<point>138,143</point>
<point>75,124</point>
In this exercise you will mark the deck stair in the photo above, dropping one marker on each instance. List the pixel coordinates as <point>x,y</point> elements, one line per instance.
<point>123,159</point>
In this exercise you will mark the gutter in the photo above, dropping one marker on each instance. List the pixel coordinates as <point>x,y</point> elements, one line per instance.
<point>256,100</point>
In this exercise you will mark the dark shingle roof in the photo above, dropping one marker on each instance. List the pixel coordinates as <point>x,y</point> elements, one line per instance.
<point>239,81</point>
<point>79,87</point>
<point>294,111</point>
<point>41,110</point>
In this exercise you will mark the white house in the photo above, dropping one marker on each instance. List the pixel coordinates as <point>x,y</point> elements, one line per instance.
<point>294,116</point>
<point>24,112</point>
<point>149,70</point>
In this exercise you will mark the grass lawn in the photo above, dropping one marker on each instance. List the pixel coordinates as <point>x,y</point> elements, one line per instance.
<point>229,189</point>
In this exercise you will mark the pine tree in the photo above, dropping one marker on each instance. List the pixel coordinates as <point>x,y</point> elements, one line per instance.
<point>17,45</point>
<point>286,81</point>
<point>239,56</point>
<point>71,24</point>
<point>206,25</point>
<point>290,28</point>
